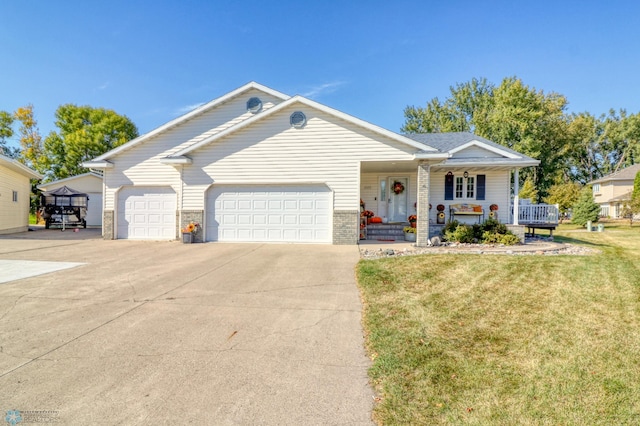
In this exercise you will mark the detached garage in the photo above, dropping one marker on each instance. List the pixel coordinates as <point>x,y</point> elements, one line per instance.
<point>147,213</point>
<point>88,183</point>
<point>269,213</point>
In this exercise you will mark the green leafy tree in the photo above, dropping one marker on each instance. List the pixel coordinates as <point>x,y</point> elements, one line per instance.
<point>585,209</point>
<point>511,114</point>
<point>6,132</point>
<point>585,157</point>
<point>32,152</point>
<point>84,133</point>
<point>565,195</point>
<point>621,140</point>
<point>529,191</point>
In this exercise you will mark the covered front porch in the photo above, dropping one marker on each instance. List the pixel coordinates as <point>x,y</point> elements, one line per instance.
<point>434,194</point>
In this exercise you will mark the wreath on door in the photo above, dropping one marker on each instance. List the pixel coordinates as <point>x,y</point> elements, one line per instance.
<point>398,187</point>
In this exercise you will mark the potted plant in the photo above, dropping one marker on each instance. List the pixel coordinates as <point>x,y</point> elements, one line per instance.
<point>409,234</point>
<point>493,213</point>
<point>412,220</point>
<point>368,214</point>
<point>189,231</point>
<point>440,216</point>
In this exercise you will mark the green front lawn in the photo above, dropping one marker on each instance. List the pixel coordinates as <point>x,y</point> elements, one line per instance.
<point>500,339</point>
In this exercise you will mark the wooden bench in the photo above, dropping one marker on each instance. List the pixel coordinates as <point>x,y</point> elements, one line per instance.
<point>466,210</point>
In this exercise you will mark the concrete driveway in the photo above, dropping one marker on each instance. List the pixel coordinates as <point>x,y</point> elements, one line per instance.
<point>166,333</point>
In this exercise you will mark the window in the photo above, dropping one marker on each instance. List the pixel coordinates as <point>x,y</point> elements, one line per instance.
<point>15,196</point>
<point>471,184</point>
<point>254,105</point>
<point>459,186</point>
<point>298,119</point>
<point>463,188</point>
<point>596,188</point>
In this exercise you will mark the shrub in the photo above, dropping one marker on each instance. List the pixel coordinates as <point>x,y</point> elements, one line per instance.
<point>489,237</point>
<point>462,234</point>
<point>490,232</point>
<point>450,226</point>
<point>509,239</point>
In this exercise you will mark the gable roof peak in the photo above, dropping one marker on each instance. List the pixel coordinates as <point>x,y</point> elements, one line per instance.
<point>190,115</point>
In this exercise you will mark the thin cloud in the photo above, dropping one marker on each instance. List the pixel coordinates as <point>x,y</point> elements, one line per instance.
<point>323,89</point>
<point>103,86</point>
<point>185,109</point>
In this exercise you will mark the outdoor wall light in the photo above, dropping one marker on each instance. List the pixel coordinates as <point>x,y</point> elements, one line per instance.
<point>465,174</point>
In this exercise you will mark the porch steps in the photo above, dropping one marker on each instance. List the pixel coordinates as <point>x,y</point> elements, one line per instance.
<point>386,231</point>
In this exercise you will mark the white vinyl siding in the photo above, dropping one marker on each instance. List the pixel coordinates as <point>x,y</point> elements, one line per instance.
<point>141,165</point>
<point>14,215</point>
<point>497,187</point>
<point>327,150</point>
<point>476,152</point>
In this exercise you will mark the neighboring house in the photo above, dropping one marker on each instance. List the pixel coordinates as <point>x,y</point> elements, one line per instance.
<point>15,195</point>
<point>89,183</point>
<point>257,165</point>
<point>612,191</point>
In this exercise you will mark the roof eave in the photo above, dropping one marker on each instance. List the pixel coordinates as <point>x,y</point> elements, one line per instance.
<point>312,104</point>
<point>509,163</point>
<point>176,161</point>
<point>431,155</point>
<point>19,168</point>
<point>97,164</point>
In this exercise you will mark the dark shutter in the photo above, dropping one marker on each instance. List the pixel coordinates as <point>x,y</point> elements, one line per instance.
<point>481,186</point>
<point>448,186</point>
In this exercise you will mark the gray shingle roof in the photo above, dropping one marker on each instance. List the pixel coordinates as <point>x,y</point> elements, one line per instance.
<point>628,173</point>
<point>445,142</point>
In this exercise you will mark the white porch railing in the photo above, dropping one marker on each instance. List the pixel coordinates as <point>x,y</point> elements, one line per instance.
<point>538,214</point>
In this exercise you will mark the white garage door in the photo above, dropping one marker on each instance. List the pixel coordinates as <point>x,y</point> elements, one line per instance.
<point>147,214</point>
<point>293,214</point>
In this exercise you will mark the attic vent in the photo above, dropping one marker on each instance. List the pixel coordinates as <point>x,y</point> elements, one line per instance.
<point>254,105</point>
<point>298,119</point>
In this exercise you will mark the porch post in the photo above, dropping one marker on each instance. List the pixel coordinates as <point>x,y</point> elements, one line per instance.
<point>516,199</point>
<point>422,225</point>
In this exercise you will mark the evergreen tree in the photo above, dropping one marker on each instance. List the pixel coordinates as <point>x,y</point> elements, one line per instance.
<point>632,207</point>
<point>585,209</point>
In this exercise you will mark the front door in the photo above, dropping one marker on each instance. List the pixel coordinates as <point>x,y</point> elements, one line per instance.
<point>398,190</point>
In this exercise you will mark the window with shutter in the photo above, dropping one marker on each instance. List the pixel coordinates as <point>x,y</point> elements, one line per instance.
<point>448,186</point>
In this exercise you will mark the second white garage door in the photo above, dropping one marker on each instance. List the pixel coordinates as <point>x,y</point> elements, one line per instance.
<point>147,213</point>
<point>257,213</point>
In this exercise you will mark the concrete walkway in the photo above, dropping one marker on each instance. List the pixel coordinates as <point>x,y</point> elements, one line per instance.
<point>165,333</point>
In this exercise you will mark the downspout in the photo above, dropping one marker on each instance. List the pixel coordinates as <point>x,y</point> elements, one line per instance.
<point>181,201</point>
<point>428,200</point>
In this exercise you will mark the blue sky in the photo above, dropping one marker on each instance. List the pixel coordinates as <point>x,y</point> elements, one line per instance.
<point>153,60</point>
